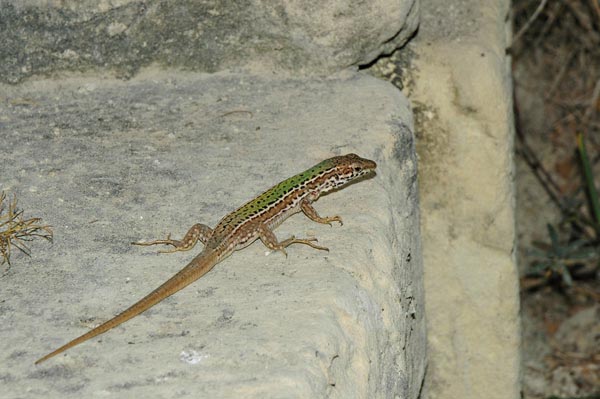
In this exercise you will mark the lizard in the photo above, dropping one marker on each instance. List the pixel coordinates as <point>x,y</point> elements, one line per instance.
<point>254,220</point>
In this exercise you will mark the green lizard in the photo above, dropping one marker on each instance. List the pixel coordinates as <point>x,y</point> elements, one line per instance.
<point>255,219</point>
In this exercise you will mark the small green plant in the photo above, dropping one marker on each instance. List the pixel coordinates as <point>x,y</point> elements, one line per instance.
<point>559,256</point>
<point>15,230</point>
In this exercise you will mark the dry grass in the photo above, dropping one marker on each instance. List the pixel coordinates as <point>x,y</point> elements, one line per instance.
<point>15,230</point>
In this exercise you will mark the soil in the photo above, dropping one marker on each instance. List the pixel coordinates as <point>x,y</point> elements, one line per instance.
<point>556,67</point>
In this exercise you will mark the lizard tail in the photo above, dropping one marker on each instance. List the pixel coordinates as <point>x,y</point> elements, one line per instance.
<point>199,266</point>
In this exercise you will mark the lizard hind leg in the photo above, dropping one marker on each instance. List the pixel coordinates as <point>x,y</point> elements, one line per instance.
<point>198,232</point>
<point>271,242</point>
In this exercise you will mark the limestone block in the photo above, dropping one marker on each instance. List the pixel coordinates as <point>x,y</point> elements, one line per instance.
<point>107,162</point>
<point>462,92</point>
<point>298,37</point>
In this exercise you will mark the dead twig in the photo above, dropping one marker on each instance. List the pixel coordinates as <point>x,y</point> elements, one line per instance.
<point>590,112</point>
<point>591,38</point>
<point>561,74</point>
<point>596,6</point>
<point>545,178</point>
<point>236,111</point>
<point>533,17</point>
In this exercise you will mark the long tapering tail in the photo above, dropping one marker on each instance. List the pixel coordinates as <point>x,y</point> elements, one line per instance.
<point>198,267</point>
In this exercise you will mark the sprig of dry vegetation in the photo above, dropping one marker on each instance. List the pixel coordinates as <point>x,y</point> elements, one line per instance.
<point>15,230</point>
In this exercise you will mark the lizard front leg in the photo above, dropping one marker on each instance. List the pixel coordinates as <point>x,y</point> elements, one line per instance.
<point>198,232</point>
<point>269,239</point>
<point>312,214</point>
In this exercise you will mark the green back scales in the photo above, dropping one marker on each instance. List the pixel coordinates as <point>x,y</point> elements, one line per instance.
<point>271,196</point>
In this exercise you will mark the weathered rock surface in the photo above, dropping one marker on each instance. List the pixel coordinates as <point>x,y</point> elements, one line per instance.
<point>108,162</point>
<point>462,92</point>
<point>300,37</point>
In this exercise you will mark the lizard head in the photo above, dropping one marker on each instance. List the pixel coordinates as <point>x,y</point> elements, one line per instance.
<point>344,169</point>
